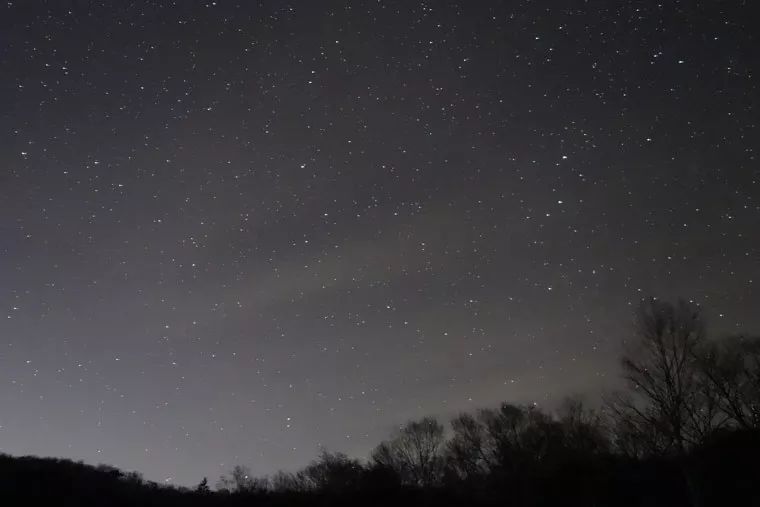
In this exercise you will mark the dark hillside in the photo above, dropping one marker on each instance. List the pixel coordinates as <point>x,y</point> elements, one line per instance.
<point>725,471</point>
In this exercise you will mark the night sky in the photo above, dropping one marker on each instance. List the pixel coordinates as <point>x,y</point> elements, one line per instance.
<point>234,232</point>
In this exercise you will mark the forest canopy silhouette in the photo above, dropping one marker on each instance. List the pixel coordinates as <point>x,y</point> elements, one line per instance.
<point>685,430</point>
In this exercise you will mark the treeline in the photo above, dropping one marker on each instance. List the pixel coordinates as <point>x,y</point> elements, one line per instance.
<point>685,431</point>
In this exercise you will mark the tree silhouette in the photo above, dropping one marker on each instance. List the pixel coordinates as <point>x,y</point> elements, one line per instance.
<point>732,370</point>
<point>240,480</point>
<point>287,482</point>
<point>202,486</point>
<point>414,453</point>
<point>470,451</point>
<point>669,407</point>
<point>584,429</point>
<point>333,472</point>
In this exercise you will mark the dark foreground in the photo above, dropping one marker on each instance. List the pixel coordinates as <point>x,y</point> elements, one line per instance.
<point>723,471</point>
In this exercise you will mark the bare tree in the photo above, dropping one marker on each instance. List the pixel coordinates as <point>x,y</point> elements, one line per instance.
<point>414,453</point>
<point>240,480</point>
<point>332,471</point>
<point>732,370</point>
<point>583,428</point>
<point>515,439</point>
<point>507,428</point>
<point>287,482</point>
<point>669,407</point>
<point>469,452</point>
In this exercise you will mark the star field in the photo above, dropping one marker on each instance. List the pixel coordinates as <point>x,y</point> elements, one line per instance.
<point>233,232</point>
